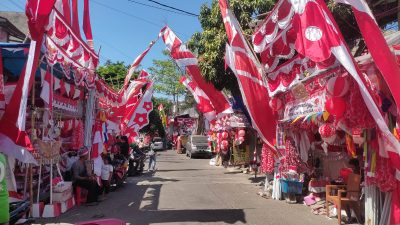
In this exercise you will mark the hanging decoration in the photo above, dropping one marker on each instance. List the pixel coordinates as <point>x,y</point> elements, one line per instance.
<point>328,133</point>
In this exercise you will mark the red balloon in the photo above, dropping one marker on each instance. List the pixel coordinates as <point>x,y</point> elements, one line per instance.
<point>225,143</point>
<point>241,133</point>
<point>336,106</point>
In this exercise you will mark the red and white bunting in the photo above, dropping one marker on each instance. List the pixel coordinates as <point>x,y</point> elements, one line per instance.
<point>249,75</point>
<point>204,104</point>
<point>188,61</point>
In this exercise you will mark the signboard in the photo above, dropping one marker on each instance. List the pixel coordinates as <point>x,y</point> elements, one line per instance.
<point>313,104</point>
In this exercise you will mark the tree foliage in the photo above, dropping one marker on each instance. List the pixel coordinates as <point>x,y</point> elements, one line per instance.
<point>114,73</point>
<point>155,125</point>
<point>166,75</point>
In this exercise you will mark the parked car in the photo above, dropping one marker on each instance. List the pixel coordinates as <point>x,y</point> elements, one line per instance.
<point>157,144</point>
<point>198,145</point>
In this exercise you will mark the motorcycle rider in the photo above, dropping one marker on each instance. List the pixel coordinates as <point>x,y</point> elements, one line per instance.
<point>138,159</point>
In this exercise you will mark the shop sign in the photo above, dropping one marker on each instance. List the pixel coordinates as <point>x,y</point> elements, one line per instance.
<point>313,104</point>
<point>65,103</point>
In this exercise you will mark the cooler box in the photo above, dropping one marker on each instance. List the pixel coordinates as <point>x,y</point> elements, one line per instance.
<point>291,187</point>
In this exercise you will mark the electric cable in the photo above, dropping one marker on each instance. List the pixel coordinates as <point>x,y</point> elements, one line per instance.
<point>171,7</point>
<point>16,5</point>
<point>151,6</point>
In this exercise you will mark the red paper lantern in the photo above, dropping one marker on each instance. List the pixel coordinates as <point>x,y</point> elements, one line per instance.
<point>336,106</point>
<point>275,104</point>
<point>327,132</point>
<point>337,86</point>
<point>242,133</point>
<point>224,135</point>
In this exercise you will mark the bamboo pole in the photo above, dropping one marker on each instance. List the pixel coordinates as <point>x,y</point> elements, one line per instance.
<point>32,135</point>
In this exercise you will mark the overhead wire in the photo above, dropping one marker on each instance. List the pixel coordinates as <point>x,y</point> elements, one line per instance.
<point>171,7</point>
<point>152,6</point>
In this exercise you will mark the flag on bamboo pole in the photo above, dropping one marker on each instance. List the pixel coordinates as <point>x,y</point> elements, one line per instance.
<point>242,62</point>
<point>204,104</point>
<point>136,64</point>
<point>162,115</point>
<point>188,61</point>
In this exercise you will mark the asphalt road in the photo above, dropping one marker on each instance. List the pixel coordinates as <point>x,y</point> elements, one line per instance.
<point>190,191</point>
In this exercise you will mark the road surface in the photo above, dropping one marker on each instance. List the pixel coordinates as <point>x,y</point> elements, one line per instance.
<point>190,191</point>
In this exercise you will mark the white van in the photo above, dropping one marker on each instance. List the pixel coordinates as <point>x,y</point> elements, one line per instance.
<point>198,145</point>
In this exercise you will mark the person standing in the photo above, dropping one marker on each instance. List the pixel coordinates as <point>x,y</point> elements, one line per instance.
<point>81,178</point>
<point>152,159</point>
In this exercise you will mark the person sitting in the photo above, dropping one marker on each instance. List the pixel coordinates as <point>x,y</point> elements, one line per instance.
<point>81,178</point>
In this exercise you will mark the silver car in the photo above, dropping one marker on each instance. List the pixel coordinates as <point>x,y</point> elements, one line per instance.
<point>157,144</point>
<point>198,145</point>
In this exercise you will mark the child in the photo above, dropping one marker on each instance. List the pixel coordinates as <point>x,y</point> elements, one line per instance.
<point>152,160</point>
<point>106,173</point>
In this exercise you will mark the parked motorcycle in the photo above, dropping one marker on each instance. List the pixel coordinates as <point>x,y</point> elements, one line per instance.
<point>19,211</point>
<point>136,161</point>
<point>120,170</point>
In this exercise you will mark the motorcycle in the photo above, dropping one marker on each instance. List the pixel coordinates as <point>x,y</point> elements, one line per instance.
<point>120,170</point>
<point>136,161</point>
<point>19,212</point>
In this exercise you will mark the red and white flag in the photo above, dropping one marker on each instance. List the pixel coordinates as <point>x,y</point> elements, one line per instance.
<point>47,89</point>
<point>143,74</point>
<point>249,75</point>
<point>384,59</point>
<point>97,146</point>
<point>187,60</point>
<point>136,64</point>
<point>87,28</point>
<point>204,104</point>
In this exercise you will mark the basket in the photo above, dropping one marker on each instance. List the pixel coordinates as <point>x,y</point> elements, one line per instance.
<point>291,187</point>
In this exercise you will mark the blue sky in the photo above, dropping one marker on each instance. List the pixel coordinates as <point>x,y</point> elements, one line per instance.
<point>124,29</point>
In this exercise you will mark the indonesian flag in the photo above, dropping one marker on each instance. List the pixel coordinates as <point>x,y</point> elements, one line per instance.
<point>204,104</point>
<point>249,74</point>
<point>87,28</point>
<point>97,147</point>
<point>138,117</point>
<point>136,63</point>
<point>187,60</point>
<point>47,89</point>
<point>143,74</point>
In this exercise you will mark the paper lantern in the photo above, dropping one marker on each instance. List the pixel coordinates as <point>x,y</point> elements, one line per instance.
<point>336,106</point>
<point>337,86</point>
<point>276,104</point>
<point>224,135</point>
<point>242,133</point>
<point>328,133</point>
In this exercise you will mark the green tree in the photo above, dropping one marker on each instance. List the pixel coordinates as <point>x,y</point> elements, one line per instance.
<point>114,73</point>
<point>166,75</point>
<point>155,125</point>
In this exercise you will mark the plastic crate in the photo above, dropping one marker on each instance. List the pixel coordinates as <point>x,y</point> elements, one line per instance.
<point>291,187</point>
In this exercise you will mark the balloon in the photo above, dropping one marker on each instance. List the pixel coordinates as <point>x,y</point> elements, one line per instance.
<point>219,135</point>
<point>336,106</point>
<point>337,86</point>
<point>241,133</point>
<point>224,135</point>
<point>275,104</point>
<point>241,139</point>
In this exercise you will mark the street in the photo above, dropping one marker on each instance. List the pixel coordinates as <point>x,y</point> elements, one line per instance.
<point>190,191</point>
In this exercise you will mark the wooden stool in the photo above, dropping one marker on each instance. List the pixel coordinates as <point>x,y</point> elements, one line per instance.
<point>80,195</point>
